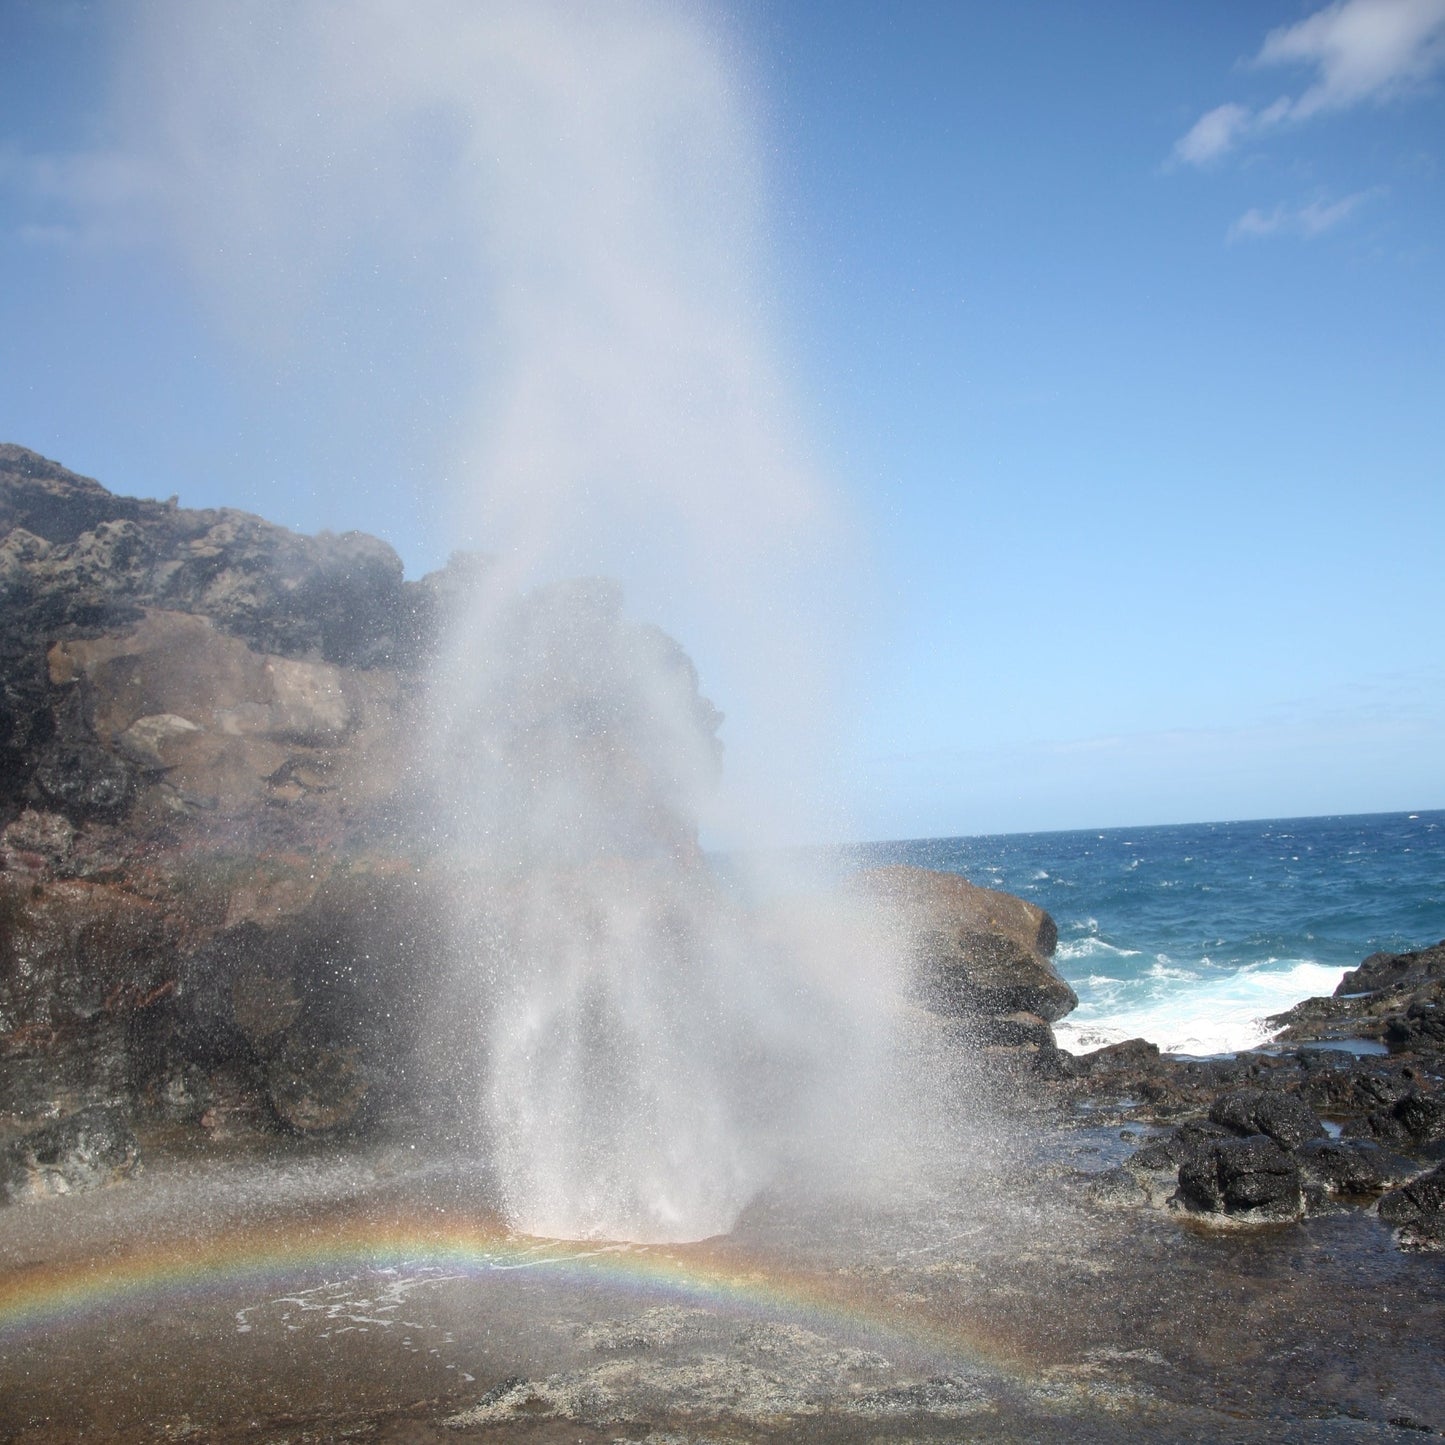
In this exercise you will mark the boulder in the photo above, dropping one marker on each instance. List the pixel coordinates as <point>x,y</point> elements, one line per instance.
<point>87,1151</point>
<point>1337,1085</point>
<point>1284,1118</point>
<point>1417,1210</point>
<point>1180,1145</point>
<point>1421,1025</point>
<point>1351,1167</point>
<point>973,952</point>
<point>1391,972</point>
<point>1393,997</point>
<point>1249,1179</point>
<point>1414,1120</point>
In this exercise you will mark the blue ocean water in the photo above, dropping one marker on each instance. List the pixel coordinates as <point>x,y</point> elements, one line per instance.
<point>1191,935</point>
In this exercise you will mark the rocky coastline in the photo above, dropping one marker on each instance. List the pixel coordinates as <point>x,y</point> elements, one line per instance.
<point>220,906</point>
<point>1344,1111</point>
<point>214,870</point>
<point>208,888</point>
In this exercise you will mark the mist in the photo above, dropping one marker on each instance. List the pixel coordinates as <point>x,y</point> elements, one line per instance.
<point>565,203</point>
<point>534,239</point>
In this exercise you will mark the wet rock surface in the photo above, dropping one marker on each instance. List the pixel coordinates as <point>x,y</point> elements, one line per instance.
<point>982,1296</point>
<point>87,1151</point>
<point>1251,1177</point>
<point>221,903</point>
<point>1329,1119</point>
<point>206,899</point>
<point>975,953</point>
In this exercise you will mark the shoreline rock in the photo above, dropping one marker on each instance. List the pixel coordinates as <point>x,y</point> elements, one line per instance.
<point>973,953</point>
<point>219,904</point>
<point>1357,1128</point>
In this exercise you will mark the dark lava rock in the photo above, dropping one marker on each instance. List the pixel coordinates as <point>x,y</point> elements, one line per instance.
<point>1422,1116</point>
<point>1251,1177</point>
<point>1425,1195</point>
<point>1352,1166</point>
<point>1416,1120</point>
<point>1381,971</point>
<point>1015,1029</point>
<point>1186,1142</point>
<point>1130,1056</point>
<point>1054,1064</point>
<point>1418,1211</point>
<point>1377,1000</point>
<point>1157,1154</point>
<point>1265,1111</point>
<point>1422,1025</point>
<point>87,1151</point>
<point>1336,1083</point>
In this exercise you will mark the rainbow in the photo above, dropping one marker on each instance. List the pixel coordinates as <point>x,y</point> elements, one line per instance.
<point>42,1298</point>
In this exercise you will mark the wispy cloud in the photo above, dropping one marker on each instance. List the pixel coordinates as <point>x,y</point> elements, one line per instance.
<point>1213,134</point>
<point>1359,50</point>
<point>1309,221</point>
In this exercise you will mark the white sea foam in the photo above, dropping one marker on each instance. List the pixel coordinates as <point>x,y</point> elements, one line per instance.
<point>1092,947</point>
<point>1218,1015</point>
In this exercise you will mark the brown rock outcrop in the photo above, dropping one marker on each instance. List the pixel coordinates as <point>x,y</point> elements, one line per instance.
<point>219,896</point>
<point>974,953</point>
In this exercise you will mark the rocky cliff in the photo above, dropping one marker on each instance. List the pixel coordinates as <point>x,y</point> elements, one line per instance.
<point>218,891</point>
<point>223,896</point>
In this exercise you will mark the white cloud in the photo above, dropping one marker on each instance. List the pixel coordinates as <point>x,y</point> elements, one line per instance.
<point>1214,133</point>
<point>1310,220</point>
<point>1360,50</point>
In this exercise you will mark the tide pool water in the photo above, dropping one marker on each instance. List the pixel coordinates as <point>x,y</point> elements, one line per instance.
<point>1191,936</point>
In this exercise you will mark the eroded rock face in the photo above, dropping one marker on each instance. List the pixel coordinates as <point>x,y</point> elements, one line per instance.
<point>87,1151</point>
<point>975,953</point>
<point>219,890</point>
<point>79,564</point>
<point>200,721</point>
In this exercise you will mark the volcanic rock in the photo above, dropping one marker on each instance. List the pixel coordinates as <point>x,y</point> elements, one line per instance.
<point>974,952</point>
<point>1283,1118</point>
<point>1391,972</point>
<point>1415,1120</point>
<point>1391,996</point>
<point>1352,1167</point>
<point>219,895</point>
<point>1417,1210</point>
<point>86,1151</point>
<point>1250,1179</point>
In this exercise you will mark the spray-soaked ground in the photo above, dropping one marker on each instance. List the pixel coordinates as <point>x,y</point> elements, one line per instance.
<point>949,1283</point>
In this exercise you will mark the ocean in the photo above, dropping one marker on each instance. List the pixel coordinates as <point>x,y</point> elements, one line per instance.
<point>1192,935</point>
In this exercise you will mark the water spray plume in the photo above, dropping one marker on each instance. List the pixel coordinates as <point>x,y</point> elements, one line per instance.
<point>572,194</point>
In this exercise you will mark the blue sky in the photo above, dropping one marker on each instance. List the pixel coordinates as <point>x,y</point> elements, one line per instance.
<point>1117,329</point>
